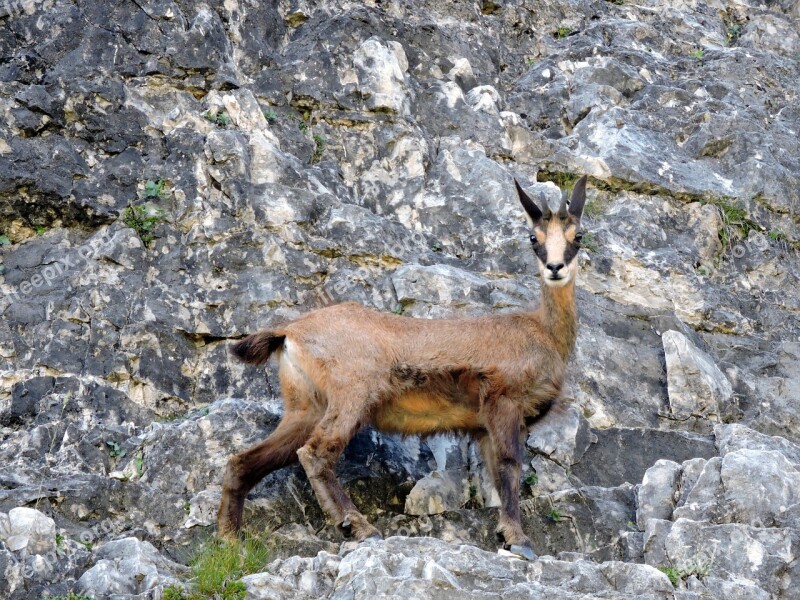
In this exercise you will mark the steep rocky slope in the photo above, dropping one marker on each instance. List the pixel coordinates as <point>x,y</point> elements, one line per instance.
<point>174,175</point>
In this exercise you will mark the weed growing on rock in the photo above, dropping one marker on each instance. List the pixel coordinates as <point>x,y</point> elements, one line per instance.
<point>736,223</point>
<point>532,479</point>
<point>143,219</point>
<point>70,596</point>
<point>677,575</point>
<point>220,117</point>
<point>270,115</point>
<point>217,568</point>
<point>563,32</point>
<point>589,243</point>
<point>698,54</point>
<point>114,450</point>
<point>319,148</point>
<point>777,236</point>
<point>155,189</point>
<point>734,31</point>
<point>555,515</point>
<point>672,574</point>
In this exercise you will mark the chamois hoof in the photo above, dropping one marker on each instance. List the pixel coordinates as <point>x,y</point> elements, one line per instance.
<point>525,552</point>
<point>346,527</point>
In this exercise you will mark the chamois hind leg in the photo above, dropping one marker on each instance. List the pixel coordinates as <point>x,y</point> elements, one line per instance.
<point>319,457</point>
<point>504,419</point>
<point>246,469</point>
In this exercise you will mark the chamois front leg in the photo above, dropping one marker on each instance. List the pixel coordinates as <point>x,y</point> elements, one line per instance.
<point>319,457</point>
<point>504,422</point>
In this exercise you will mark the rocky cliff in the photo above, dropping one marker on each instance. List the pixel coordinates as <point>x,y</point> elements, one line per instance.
<point>174,175</point>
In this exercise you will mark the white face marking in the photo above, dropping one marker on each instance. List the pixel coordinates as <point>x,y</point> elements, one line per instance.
<point>556,240</point>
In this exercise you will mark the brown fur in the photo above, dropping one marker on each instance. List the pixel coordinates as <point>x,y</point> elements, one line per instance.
<point>346,366</point>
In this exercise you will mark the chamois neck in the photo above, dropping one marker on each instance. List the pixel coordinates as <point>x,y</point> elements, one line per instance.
<point>559,317</point>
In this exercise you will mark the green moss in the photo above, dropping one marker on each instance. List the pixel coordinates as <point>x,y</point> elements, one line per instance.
<point>70,596</point>
<point>698,54</point>
<point>4,241</point>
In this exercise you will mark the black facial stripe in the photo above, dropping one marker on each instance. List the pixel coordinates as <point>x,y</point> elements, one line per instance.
<point>570,252</point>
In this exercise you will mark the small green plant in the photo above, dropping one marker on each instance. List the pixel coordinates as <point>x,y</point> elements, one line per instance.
<point>563,32</point>
<point>589,243</point>
<point>398,309</point>
<point>114,450</point>
<point>319,148</point>
<point>303,127</point>
<point>555,515</point>
<point>530,62</point>
<point>532,479</point>
<point>40,229</point>
<point>139,461</point>
<point>87,545</point>
<point>59,540</point>
<point>174,592</point>
<point>4,241</point>
<point>698,54</point>
<point>219,117</point>
<point>672,574</point>
<point>143,219</point>
<point>678,574</point>
<point>187,507</point>
<point>70,596</point>
<point>436,246</point>
<point>734,32</point>
<point>736,224</point>
<point>154,189</point>
<point>270,115</point>
<point>777,236</point>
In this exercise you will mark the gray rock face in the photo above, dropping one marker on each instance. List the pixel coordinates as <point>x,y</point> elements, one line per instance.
<point>175,175</point>
<point>430,568</point>
<point>128,568</point>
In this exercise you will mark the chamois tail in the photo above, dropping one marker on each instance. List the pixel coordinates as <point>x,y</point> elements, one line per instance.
<point>256,349</point>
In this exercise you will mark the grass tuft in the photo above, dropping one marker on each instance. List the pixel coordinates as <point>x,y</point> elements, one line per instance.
<point>217,568</point>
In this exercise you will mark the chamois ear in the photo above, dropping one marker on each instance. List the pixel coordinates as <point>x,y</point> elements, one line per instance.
<point>578,198</point>
<point>529,205</point>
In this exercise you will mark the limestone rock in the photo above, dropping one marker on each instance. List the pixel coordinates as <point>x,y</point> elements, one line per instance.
<point>128,567</point>
<point>697,387</point>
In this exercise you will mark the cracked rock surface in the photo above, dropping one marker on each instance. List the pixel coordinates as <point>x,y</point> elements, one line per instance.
<point>175,175</point>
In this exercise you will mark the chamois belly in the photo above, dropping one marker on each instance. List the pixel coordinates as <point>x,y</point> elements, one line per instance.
<point>423,413</point>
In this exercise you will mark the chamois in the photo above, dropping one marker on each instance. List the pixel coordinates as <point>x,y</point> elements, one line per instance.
<point>346,366</point>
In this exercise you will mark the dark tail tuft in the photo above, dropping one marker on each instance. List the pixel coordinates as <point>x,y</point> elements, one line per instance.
<point>256,349</point>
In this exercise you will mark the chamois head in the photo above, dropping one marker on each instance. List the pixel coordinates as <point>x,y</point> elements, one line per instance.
<point>556,237</point>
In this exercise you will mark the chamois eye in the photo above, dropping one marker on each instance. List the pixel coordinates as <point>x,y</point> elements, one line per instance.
<point>534,240</point>
<point>579,236</point>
